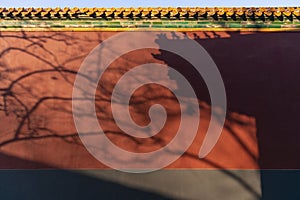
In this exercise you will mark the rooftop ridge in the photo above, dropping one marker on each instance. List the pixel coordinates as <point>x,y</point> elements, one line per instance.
<point>158,13</point>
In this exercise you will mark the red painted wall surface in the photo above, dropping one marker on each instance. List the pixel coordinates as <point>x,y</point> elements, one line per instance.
<point>260,70</point>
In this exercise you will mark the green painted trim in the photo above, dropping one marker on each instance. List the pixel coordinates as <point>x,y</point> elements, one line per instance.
<point>119,25</point>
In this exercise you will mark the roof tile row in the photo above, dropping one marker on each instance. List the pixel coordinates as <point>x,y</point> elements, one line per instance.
<point>152,13</point>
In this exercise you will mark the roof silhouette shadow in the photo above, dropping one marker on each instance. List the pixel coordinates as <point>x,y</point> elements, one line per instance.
<point>261,77</point>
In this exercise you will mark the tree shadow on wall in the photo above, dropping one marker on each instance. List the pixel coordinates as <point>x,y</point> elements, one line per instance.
<point>22,98</point>
<point>25,100</point>
<point>260,73</point>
